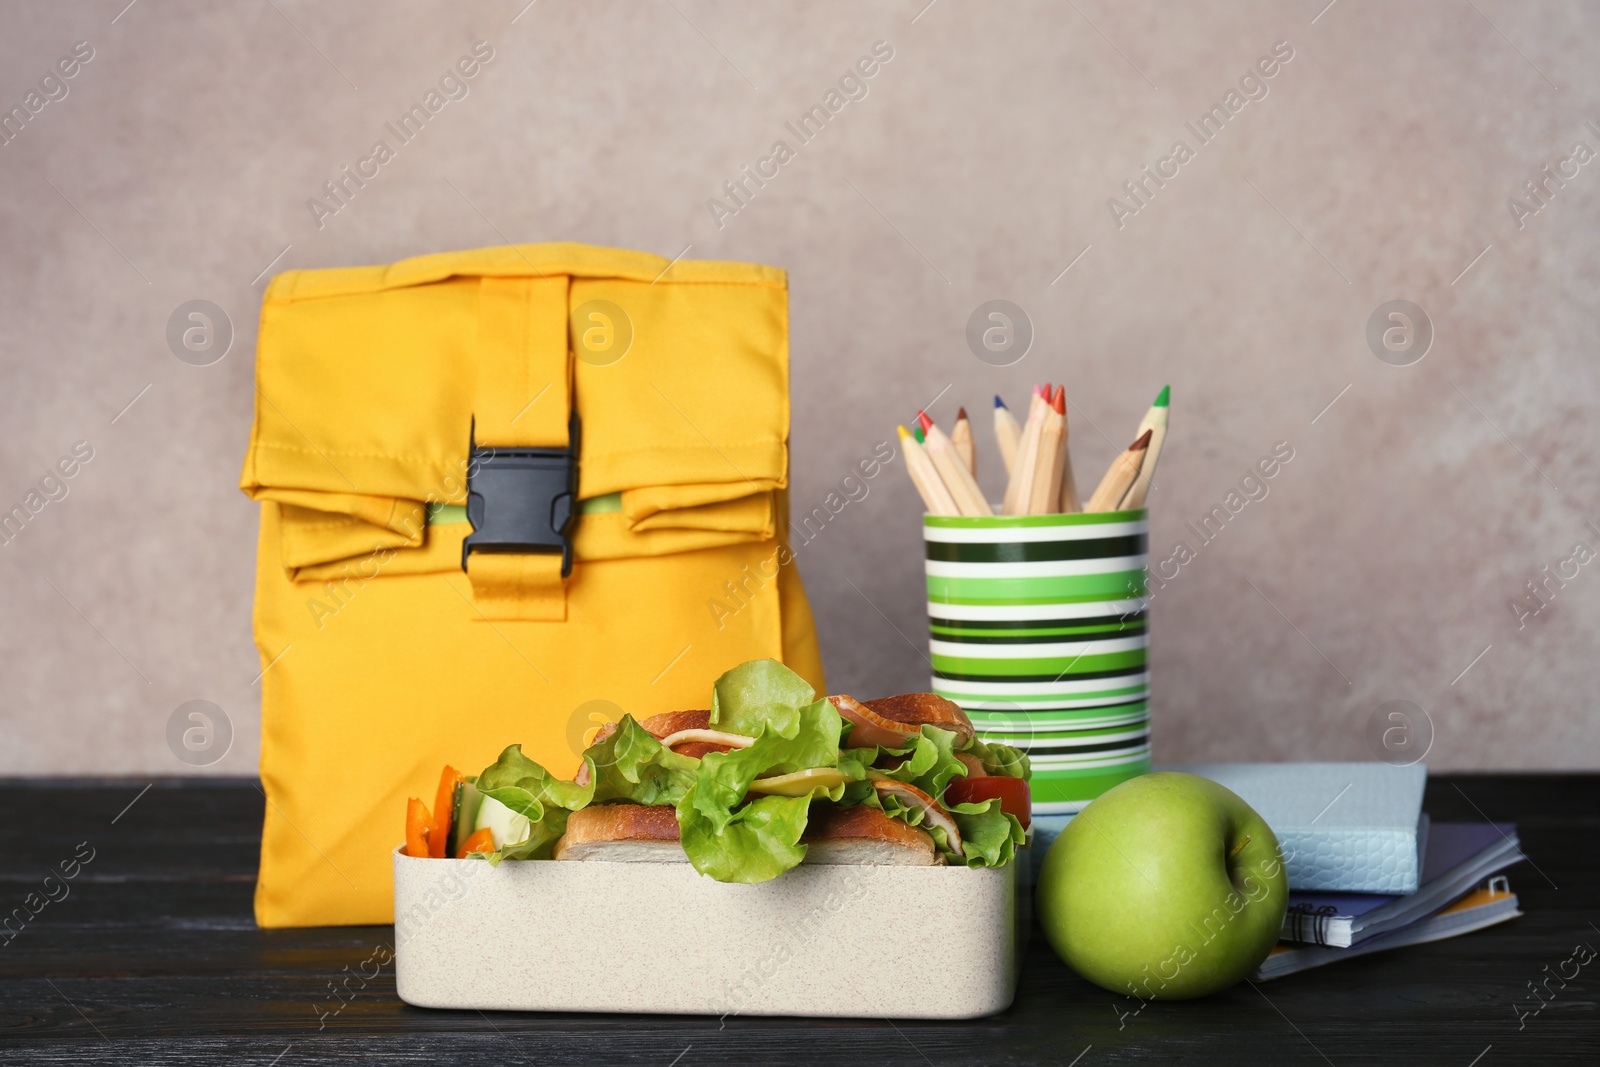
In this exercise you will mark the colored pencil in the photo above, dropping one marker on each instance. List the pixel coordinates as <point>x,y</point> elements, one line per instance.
<point>1046,489</point>
<point>1068,501</point>
<point>925,477</point>
<point>1019,491</point>
<point>1155,420</point>
<point>969,498</point>
<point>961,440</point>
<point>1124,469</point>
<point>1006,433</point>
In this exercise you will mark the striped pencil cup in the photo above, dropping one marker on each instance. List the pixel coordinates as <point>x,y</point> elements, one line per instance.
<point>1038,631</point>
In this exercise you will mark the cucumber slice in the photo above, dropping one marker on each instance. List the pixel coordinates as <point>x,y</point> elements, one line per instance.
<point>463,814</point>
<point>508,827</point>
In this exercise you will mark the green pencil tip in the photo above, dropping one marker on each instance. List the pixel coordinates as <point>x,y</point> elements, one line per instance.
<point>1161,401</point>
<point>916,431</point>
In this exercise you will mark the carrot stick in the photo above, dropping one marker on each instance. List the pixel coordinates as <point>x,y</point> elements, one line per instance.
<point>419,827</point>
<point>480,841</point>
<point>443,801</point>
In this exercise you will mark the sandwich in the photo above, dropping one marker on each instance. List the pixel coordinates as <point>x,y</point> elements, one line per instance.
<point>770,776</point>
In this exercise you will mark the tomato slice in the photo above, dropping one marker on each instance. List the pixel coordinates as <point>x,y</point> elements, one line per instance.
<point>1013,793</point>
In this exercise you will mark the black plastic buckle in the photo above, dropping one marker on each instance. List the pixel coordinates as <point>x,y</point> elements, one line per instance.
<point>521,499</point>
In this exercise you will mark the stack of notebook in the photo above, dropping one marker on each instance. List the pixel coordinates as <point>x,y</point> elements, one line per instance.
<point>1459,894</point>
<point>1459,856</point>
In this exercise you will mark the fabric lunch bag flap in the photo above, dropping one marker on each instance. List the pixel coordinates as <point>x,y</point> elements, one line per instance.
<point>375,383</point>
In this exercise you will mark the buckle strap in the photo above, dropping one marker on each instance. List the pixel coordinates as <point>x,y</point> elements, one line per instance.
<point>509,587</point>
<point>522,499</point>
<point>522,481</point>
<point>523,396</point>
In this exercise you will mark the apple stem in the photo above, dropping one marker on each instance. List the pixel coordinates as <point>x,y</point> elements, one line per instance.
<point>1239,846</point>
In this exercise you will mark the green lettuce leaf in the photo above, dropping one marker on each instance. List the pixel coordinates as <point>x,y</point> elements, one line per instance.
<point>633,765</point>
<point>723,778</point>
<point>857,763</point>
<point>989,836</point>
<point>1001,760</point>
<point>894,807</point>
<point>537,847</point>
<point>733,841</point>
<point>928,763</point>
<point>762,692</point>
<point>931,763</point>
<point>528,789</point>
<point>760,842</point>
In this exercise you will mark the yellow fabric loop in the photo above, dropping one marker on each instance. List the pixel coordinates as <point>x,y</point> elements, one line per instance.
<point>518,587</point>
<point>523,399</point>
<point>523,395</point>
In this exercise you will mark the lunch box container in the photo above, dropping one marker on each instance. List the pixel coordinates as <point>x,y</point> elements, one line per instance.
<point>821,940</point>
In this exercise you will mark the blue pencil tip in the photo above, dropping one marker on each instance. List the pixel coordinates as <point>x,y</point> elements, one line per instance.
<point>999,403</point>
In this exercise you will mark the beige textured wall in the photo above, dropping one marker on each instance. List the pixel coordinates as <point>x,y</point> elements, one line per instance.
<point>979,165</point>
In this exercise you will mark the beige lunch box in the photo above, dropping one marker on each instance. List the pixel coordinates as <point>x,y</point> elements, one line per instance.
<point>545,935</point>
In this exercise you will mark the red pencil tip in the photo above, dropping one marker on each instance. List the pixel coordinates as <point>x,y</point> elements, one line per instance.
<point>923,421</point>
<point>1059,403</point>
<point>961,414</point>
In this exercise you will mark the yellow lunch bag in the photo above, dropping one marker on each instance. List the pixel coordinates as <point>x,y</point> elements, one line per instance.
<point>507,494</point>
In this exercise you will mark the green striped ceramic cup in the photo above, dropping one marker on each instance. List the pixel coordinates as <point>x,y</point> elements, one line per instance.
<point>1038,631</point>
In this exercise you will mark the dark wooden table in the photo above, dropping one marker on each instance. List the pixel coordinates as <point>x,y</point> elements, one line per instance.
<point>151,957</point>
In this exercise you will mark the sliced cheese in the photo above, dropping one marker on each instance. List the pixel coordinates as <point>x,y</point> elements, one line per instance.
<point>801,783</point>
<point>712,737</point>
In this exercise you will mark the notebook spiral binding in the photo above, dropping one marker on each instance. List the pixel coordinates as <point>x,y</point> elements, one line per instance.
<point>1311,924</point>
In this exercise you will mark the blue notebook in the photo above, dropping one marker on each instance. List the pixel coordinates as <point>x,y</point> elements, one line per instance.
<point>1458,857</point>
<point>1344,827</point>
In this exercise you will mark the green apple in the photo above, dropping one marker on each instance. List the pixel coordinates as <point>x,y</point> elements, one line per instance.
<point>1166,887</point>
